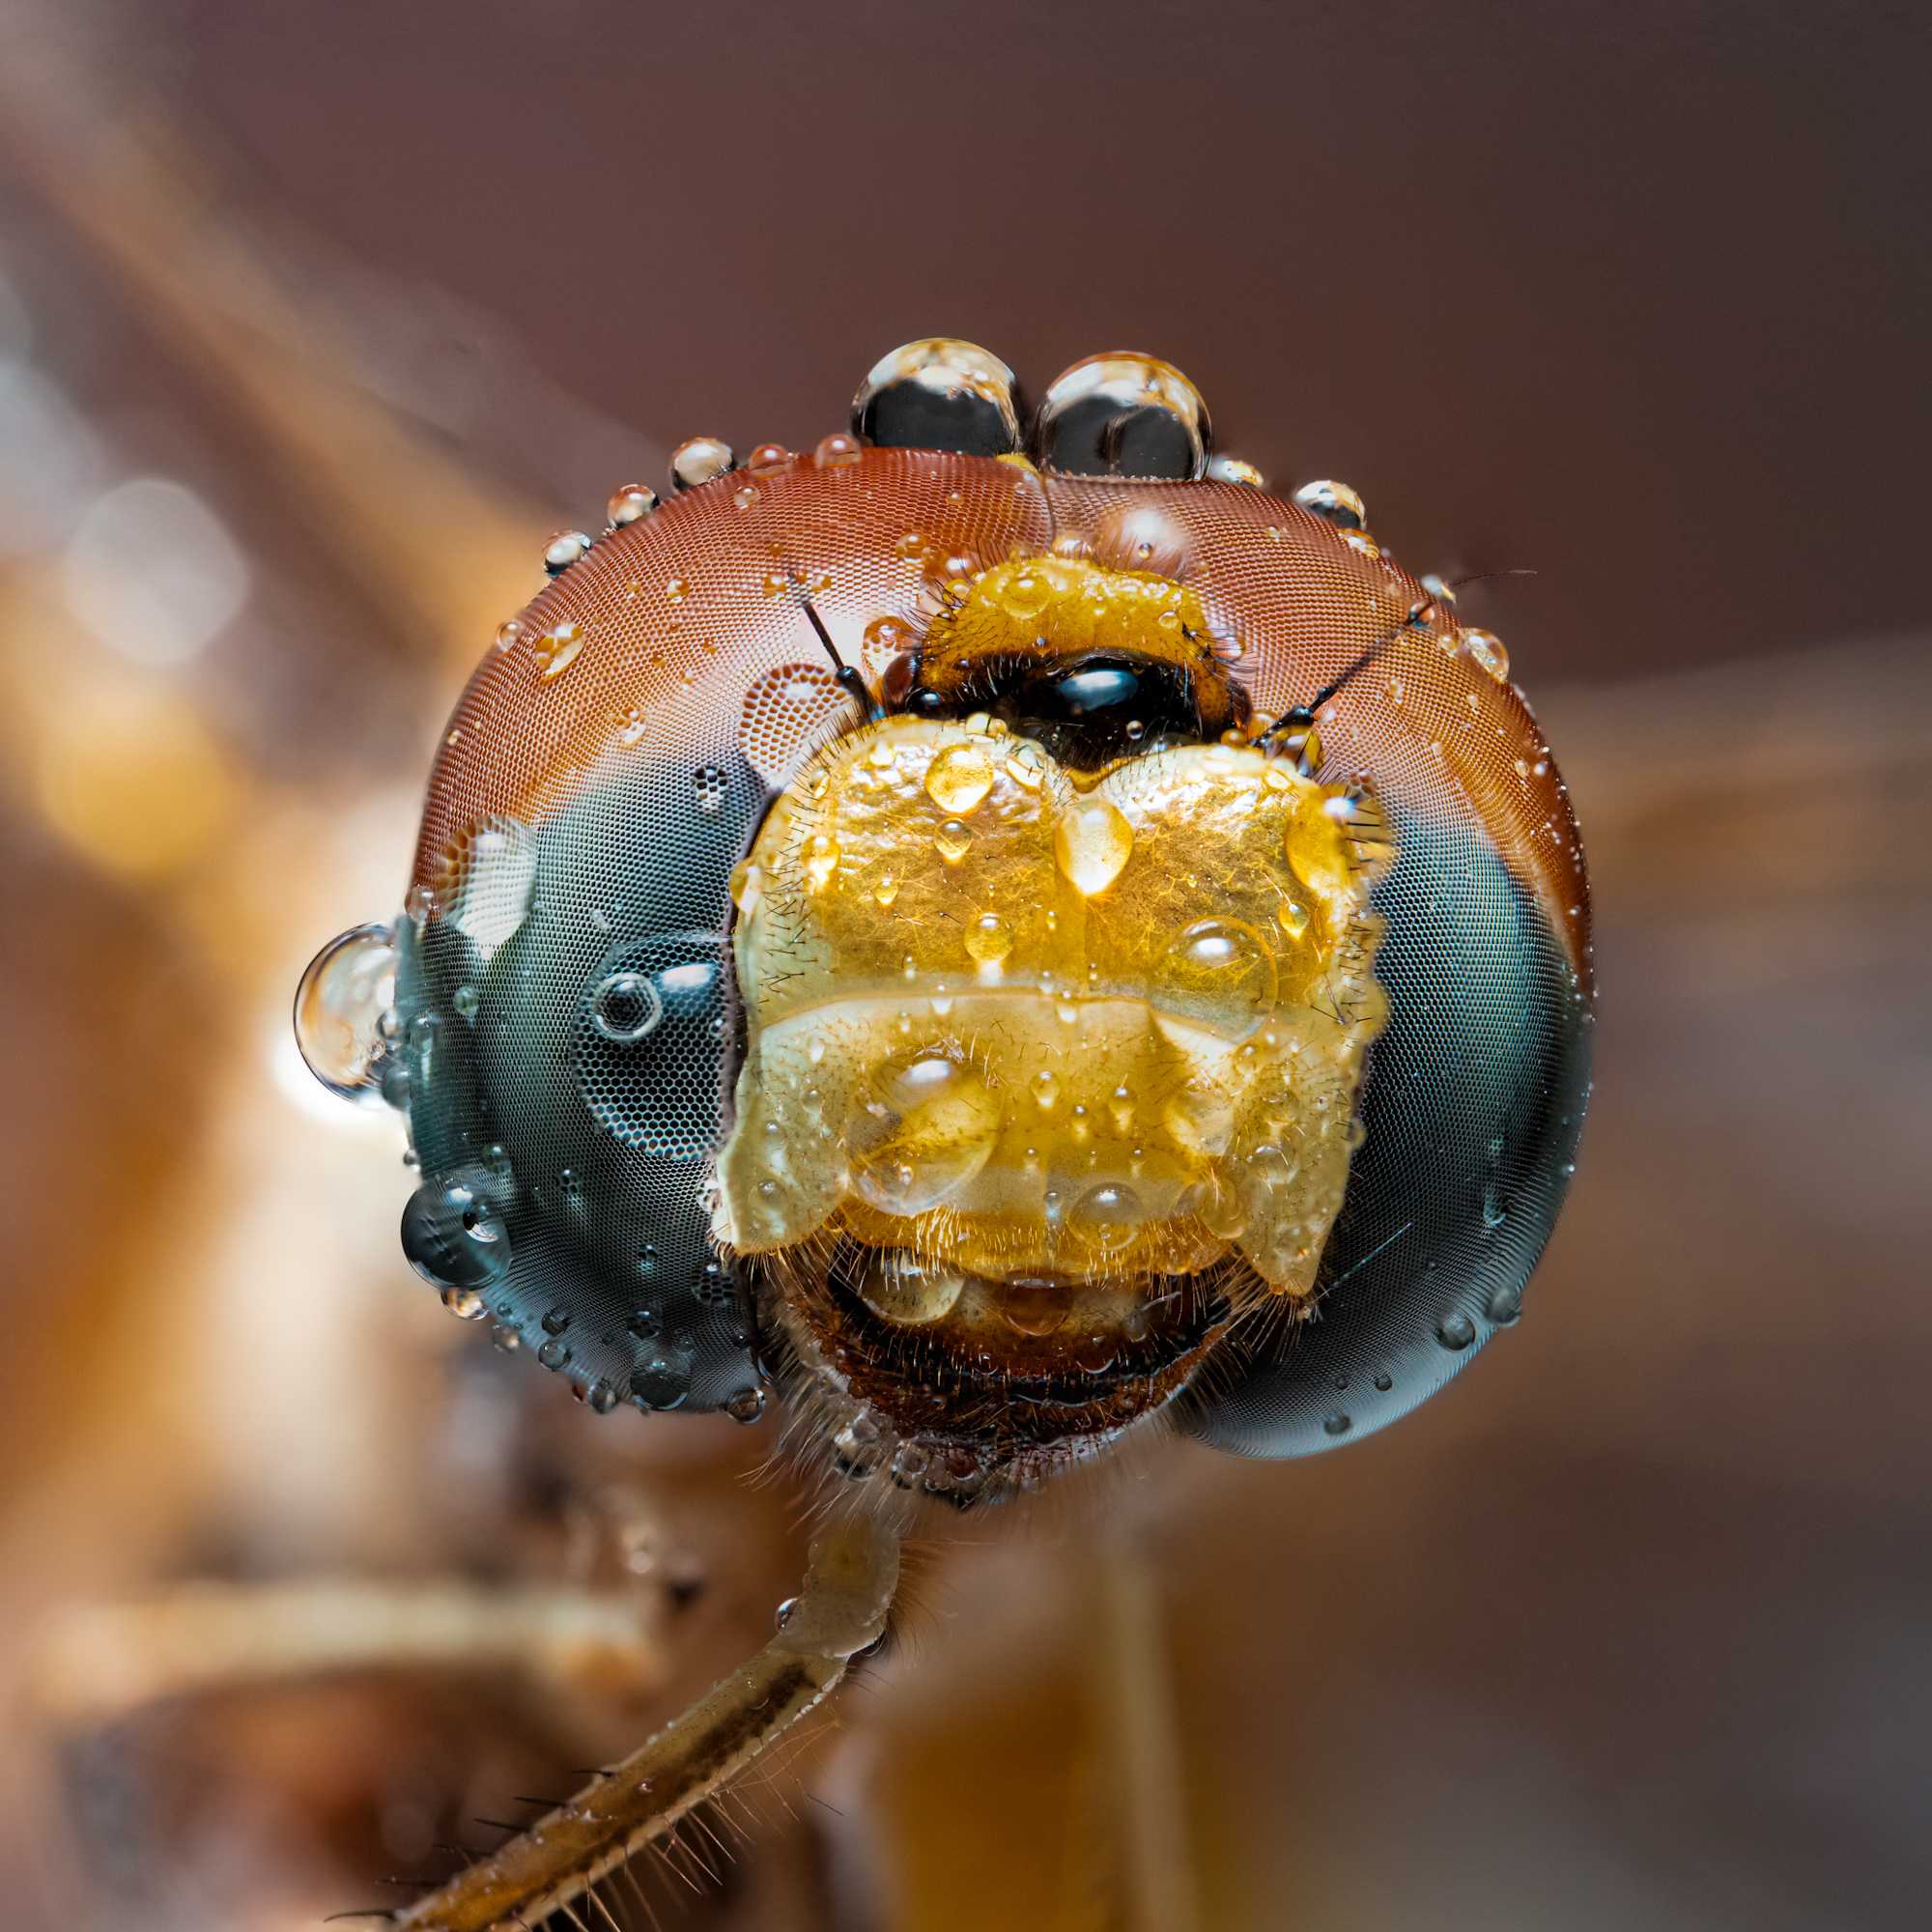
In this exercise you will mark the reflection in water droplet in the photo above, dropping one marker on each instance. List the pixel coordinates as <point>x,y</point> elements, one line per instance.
<point>662,1380</point>
<point>709,783</point>
<point>1292,916</point>
<point>910,1294</point>
<point>1336,1423</point>
<point>989,939</point>
<point>1026,765</point>
<point>1456,1331</point>
<point>1034,1307</point>
<point>344,992</point>
<point>553,1354</point>
<point>747,1406</point>
<point>821,860</point>
<point>1220,971</point>
<point>1486,649</point>
<point>1106,1217</point>
<point>767,458</point>
<point>555,651</point>
<point>934,1130</point>
<point>466,1000</point>
<point>1505,1305</point>
<point>1384,1380</point>
<point>1093,843</point>
<point>507,634</point>
<point>953,841</point>
<point>959,777</point>
<point>464,1303</point>
<point>836,451</point>
<point>626,1007</point>
<point>563,550</point>
<point>453,1235</point>
<point>628,503</point>
<point>1027,593</point>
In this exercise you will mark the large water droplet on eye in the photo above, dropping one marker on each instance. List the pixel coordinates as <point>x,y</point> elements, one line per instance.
<point>347,988</point>
<point>1106,1217</point>
<point>495,877</point>
<point>626,1007</point>
<point>1220,972</point>
<point>959,777</point>
<point>898,1289</point>
<point>453,1232</point>
<point>1092,842</point>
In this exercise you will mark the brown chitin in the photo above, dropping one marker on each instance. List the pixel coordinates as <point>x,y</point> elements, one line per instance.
<point>1051,1061</point>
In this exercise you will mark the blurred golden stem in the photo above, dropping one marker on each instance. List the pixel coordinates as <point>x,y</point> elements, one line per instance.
<point>841,1610</point>
<point>100,1662</point>
<point>1147,1813</point>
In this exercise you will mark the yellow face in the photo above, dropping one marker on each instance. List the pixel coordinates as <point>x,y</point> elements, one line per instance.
<point>1036,1037</point>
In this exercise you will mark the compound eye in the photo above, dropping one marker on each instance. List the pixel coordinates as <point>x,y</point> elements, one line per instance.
<point>1123,414</point>
<point>939,393</point>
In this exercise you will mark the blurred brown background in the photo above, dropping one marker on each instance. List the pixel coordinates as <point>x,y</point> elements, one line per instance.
<point>315,322</point>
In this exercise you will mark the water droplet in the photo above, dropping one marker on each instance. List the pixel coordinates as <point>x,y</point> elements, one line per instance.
<point>453,1234</point>
<point>697,459</point>
<point>1456,1331</point>
<point>1337,1423</point>
<point>506,1338</point>
<point>1026,594</point>
<point>628,503</point>
<point>507,634</point>
<point>1092,842</point>
<point>1485,648</point>
<point>1384,1382</point>
<point>603,1398</point>
<point>836,451</point>
<point>555,651</point>
<point>767,458</point>
<point>662,1380</point>
<point>1045,1089</point>
<point>885,885</point>
<point>785,1612</point>
<point>464,1303</point>
<point>1106,1217</point>
<point>631,728</point>
<point>344,993</point>
<point>912,544</point>
<point>645,1324</point>
<point>1026,765</point>
<point>959,777</point>
<point>555,1322</point>
<point>553,1354</point>
<point>1292,916</point>
<point>709,782</point>
<point>1361,542</point>
<point>1033,1306</point>
<point>1221,971</point>
<point>566,547</point>
<point>466,1000</point>
<point>953,841</point>
<point>745,496</point>
<point>900,1289</point>
<point>1494,1214</point>
<point>821,860</point>
<point>989,939</point>
<point>1275,1167</point>
<point>1505,1305</point>
<point>626,1007</point>
<point>747,1406</point>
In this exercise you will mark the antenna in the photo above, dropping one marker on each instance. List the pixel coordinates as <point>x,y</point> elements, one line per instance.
<point>849,676</point>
